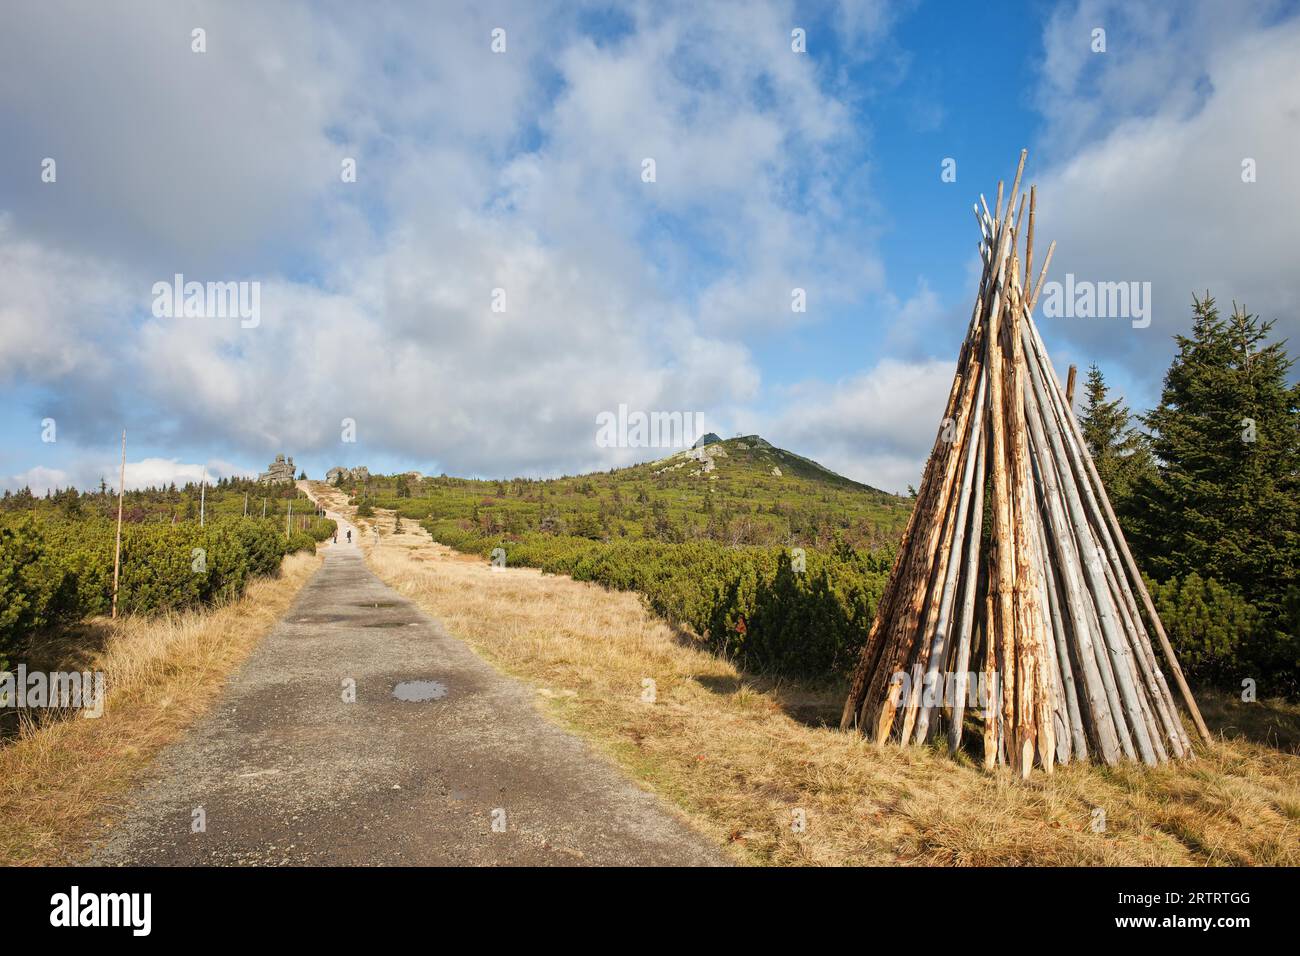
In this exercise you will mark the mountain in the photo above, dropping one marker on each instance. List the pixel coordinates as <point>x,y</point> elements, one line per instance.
<point>742,491</point>
<point>752,454</point>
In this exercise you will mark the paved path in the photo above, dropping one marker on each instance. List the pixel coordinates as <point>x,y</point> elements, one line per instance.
<point>287,772</point>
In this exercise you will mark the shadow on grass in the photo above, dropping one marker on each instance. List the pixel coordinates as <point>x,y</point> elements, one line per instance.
<point>72,648</point>
<point>1270,723</point>
<point>812,703</point>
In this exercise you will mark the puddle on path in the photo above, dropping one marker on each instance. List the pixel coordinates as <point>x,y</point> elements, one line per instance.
<point>418,691</point>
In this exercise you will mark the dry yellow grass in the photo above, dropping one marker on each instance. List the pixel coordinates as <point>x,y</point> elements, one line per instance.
<point>727,750</point>
<point>60,782</point>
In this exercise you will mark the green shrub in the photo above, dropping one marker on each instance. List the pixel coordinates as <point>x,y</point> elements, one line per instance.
<point>61,569</point>
<point>1212,628</point>
<point>33,588</point>
<point>302,541</point>
<point>322,529</point>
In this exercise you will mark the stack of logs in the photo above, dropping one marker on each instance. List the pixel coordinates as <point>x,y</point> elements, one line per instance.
<point>1013,576</point>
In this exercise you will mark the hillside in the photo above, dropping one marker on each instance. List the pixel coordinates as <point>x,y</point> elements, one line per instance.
<point>739,491</point>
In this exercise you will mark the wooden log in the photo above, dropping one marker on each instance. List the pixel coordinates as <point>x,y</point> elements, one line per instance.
<point>1121,662</point>
<point>1165,709</point>
<point>919,653</point>
<point>957,558</point>
<point>1106,523</point>
<point>1049,497</point>
<point>1033,729</point>
<point>1098,691</point>
<point>1148,697</point>
<point>1029,237</point>
<point>1072,741</point>
<point>1038,286</point>
<point>878,637</point>
<point>1135,577</point>
<point>932,641</point>
<point>971,580</point>
<point>920,574</point>
<point>992,682</point>
<point>1002,580</point>
<point>916,576</point>
<point>1116,665</point>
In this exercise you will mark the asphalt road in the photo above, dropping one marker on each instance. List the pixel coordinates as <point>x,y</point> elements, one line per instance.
<point>285,770</point>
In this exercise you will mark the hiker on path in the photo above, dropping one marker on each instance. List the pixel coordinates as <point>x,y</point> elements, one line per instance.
<point>349,535</point>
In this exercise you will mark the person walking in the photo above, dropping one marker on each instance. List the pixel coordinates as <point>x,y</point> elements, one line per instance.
<point>349,535</point>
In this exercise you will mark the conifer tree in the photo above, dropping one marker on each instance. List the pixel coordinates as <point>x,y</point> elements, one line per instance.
<point>1119,451</point>
<point>1225,498</point>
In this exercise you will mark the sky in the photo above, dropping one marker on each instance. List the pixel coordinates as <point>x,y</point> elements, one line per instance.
<point>504,270</point>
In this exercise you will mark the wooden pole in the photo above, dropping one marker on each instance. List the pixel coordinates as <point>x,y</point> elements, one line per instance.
<point>1094,579</point>
<point>1069,387</point>
<point>1038,286</point>
<point>1135,577</point>
<point>1049,609</point>
<point>880,639</point>
<point>969,595</point>
<point>1098,691</point>
<point>117,546</point>
<point>956,558</point>
<point>1034,706</point>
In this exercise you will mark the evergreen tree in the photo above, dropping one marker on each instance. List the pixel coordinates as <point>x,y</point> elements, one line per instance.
<point>1119,451</point>
<point>1225,498</point>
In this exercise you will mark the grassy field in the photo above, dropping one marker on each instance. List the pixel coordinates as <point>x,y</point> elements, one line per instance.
<point>62,781</point>
<point>744,758</point>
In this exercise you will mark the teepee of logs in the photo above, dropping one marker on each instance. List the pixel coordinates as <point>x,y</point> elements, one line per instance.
<point>1013,578</point>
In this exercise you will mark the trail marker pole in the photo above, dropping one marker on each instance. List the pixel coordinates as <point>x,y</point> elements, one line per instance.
<point>117,546</point>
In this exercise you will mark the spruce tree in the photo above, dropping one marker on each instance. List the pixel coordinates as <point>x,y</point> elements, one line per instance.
<point>1225,499</point>
<point>1119,450</point>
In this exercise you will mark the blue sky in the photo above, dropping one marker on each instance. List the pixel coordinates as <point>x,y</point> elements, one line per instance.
<point>522,171</point>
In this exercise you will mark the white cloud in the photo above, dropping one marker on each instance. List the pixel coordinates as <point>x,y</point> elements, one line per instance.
<point>468,180</point>
<point>86,474</point>
<point>39,479</point>
<point>877,427</point>
<point>160,472</point>
<point>1147,143</point>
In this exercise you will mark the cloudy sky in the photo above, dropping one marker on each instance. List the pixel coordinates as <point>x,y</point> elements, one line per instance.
<point>523,171</point>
